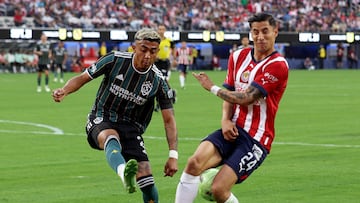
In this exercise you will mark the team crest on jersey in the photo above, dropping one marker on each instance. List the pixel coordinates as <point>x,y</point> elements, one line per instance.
<point>245,76</point>
<point>146,88</point>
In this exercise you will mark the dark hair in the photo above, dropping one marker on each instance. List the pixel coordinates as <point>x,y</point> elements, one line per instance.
<point>260,17</point>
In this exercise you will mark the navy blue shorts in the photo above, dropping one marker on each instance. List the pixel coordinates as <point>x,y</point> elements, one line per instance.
<point>131,140</point>
<point>243,155</point>
<point>182,68</point>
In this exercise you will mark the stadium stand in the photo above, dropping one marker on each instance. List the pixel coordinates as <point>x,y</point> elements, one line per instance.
<point>324,16</point>
<point>229,15</point>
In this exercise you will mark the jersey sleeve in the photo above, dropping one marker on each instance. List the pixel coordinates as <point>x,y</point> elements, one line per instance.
<point>229,82</point>
<point>165,95</point>
<point>101,66</point>
<point>272,76</point>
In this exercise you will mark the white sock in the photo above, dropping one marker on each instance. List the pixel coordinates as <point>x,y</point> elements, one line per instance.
<point>120,171</point>
<point>187,188</point>
<point>168,76</point>
<point>182,80</point>
<point>232,199</point>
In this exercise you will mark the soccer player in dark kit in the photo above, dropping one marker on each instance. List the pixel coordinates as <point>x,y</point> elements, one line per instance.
<point>123,108</point>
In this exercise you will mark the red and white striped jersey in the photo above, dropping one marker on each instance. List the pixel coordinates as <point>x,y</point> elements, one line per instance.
<point>270,76</point>
<point>184,55</point>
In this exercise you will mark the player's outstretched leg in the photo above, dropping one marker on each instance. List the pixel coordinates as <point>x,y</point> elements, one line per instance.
<point>130,175</point>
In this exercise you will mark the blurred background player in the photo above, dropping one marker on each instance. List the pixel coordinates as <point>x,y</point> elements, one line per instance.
<point>195,55</point>
<point>321,56</point>
<point>60,57</point>
<point>339,55</point>
<point>245,42</point>
<point>43,50</point>
<point>184,60</point>
<point>166,50</point>
<point>308,64</point>
<point>103,49</point>
<point>352,57</point>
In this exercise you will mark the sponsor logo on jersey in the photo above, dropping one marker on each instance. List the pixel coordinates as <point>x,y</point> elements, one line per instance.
<point>268,78</point>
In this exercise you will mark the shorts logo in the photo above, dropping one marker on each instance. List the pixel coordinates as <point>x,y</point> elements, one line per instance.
<point>250,160</point>
<point>98,120</point>
<point>170,93</point>
<point>142,144</point>
<point>146,88</point>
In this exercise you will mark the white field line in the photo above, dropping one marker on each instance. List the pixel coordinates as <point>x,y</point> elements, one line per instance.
<point>56,131</point>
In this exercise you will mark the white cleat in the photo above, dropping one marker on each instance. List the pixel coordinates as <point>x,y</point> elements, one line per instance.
<point>47,89</point>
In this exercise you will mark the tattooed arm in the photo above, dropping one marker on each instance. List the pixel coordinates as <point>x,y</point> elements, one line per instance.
<point>247,97</point>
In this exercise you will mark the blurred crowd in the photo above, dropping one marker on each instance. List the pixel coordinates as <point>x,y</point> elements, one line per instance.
<point>226,15</point>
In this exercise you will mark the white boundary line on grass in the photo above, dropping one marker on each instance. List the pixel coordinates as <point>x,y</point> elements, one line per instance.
<point>57,131</point>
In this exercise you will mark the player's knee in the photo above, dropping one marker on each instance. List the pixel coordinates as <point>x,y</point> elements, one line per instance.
<point>219,191</point>
<point>194,166</point>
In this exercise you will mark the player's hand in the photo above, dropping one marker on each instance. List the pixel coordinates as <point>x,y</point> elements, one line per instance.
<point>229,130</point>
<point>58,95</point>
<point>171,167</point>
<point>204,80</point>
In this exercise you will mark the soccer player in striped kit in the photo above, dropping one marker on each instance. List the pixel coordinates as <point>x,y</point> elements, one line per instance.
<point>184,60</point>
<point>255,82</point>
<point>123,108</point>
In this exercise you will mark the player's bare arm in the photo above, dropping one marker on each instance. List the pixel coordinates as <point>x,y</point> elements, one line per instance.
<point>72,85</point>
<point>171,166</point>
<point>228,127</point>
<point>246,97</point>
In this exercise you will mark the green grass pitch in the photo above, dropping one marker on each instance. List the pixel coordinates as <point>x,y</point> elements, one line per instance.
<point>315,157</point>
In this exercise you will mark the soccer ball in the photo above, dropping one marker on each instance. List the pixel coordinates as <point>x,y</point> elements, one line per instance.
<point>206,179</point>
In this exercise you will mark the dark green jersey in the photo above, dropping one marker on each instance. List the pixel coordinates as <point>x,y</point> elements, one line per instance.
<point>45,49</point>
<point>125,94</point>
<point>59,54</point>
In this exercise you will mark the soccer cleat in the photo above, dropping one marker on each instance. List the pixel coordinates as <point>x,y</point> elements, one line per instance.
<point>55,79</point>
<point>61,80</point>
<point>130,175</point>
<point>38,89</point>
<point>47,89</point>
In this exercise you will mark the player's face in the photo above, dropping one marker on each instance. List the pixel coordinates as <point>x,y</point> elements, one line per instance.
<point>145,54</point>
<point>43,38</point>
<point>245,41</point>
<point>264,36</point>
<point>161,30</point>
